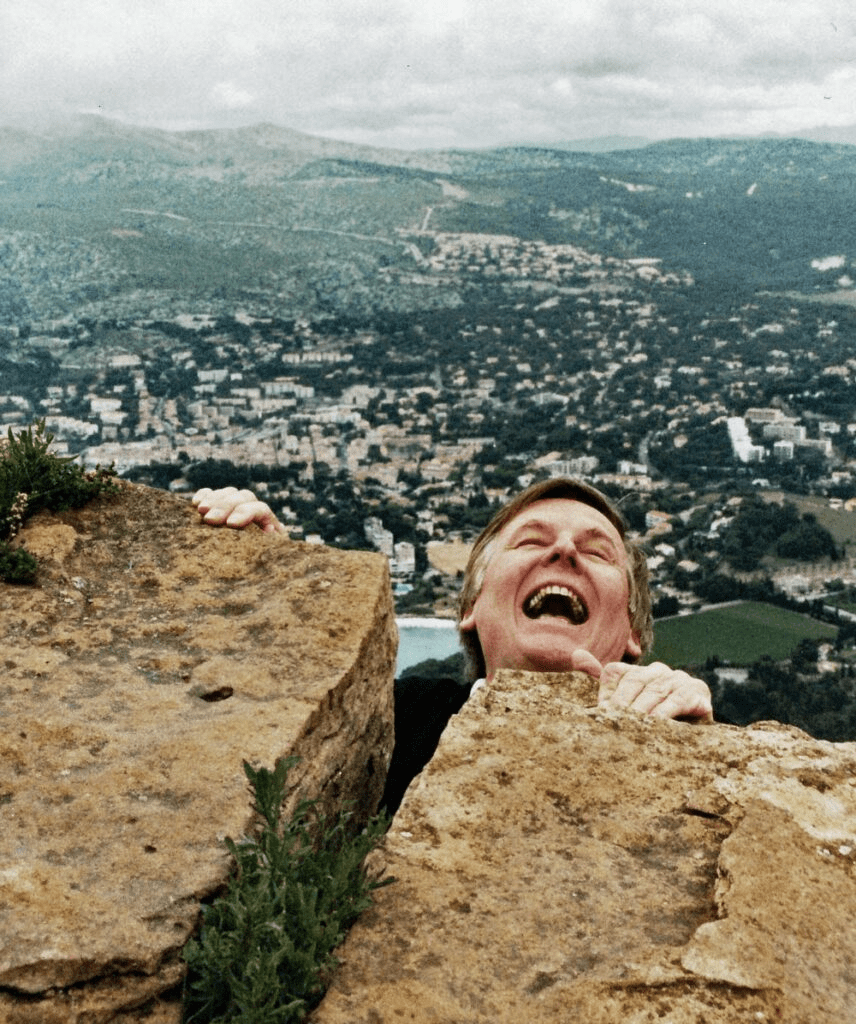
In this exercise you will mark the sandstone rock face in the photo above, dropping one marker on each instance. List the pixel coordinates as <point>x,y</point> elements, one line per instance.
<point>556,863</point>
<point>154,656</point>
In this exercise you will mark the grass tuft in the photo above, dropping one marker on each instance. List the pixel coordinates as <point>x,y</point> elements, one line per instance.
<point>33,478</point>
<point>264,954</point>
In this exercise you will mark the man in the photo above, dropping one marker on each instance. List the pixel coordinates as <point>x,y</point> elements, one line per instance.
<point>553,584</point>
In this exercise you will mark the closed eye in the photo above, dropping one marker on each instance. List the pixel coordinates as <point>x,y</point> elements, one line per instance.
<point>603,553</point>
<point>600,549</point>
<point>532,540</point>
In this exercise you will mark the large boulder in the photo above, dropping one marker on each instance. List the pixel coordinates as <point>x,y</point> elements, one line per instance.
<point>556,862</point>
<point>151,659</point>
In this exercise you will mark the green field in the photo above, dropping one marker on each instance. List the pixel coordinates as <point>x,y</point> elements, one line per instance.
<point>841,524</point>
<point>740,634</point>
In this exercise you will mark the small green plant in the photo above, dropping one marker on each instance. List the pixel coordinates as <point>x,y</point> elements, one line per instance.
<point>34,478</point>
<point>16,565</point>
<point>264,954</point>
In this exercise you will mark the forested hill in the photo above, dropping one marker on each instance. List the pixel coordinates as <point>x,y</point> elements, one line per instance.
<point>103,219</point>
<point>749,213</point>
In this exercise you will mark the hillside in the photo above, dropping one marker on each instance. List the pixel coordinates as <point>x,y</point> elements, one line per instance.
<point>103,219</point>
<point>385,344</point>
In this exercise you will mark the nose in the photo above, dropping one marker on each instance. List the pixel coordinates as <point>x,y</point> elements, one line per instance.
<point>564,548</point>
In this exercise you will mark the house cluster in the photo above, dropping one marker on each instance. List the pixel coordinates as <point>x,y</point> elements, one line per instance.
<point>782,436</point>
<point>582,365</point>
<point>461,255</point>
<point>686,545</point>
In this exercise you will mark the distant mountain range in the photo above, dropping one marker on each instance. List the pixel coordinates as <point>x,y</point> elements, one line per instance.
<point>98,217</point>
<point>844,135</point>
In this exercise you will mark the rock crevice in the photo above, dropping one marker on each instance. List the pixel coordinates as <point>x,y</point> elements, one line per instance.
<point>557,862</point>
<point>151,659</point>
<point>554,861</point>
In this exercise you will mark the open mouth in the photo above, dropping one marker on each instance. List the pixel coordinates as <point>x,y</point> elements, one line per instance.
<point>557,601</point>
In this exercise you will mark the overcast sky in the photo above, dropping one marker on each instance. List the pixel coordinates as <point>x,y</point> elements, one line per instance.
<point>436,73</point>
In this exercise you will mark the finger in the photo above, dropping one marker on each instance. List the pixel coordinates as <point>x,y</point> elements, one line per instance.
<point>217,506</point>
<point>690,702</point>
<point>674,694</point>
<point>652,697</point>
<point>615,689</point>
<point>253,512</point>
<point>656,690</point>
<point>274,526</point>
<point>206,498</point>
<point>639,688</point>
<point>201,497</point>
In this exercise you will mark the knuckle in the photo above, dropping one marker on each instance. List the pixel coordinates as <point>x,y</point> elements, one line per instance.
<point>660,687</point>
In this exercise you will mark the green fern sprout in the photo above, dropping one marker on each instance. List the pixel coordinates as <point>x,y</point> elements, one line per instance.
<point>33,478</point>
<point>264,954</point>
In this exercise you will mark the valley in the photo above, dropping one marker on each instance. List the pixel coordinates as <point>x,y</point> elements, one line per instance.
<point>384,345</point>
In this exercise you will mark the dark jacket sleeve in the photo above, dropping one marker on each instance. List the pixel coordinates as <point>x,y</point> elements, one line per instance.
<point>423,706</point>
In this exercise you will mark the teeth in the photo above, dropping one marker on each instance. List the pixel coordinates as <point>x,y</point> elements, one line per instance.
<point>570,606</point>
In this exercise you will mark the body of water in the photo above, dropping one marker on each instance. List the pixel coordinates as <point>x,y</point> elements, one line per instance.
<point>420,639</point>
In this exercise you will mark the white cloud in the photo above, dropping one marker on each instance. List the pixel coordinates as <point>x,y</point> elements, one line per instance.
<point>443,72</point>
<point>229,95</point>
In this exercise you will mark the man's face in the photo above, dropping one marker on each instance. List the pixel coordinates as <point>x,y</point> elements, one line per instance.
<point>556,582</point>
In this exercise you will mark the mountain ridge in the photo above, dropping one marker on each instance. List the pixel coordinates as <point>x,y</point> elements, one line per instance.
<point>99,218</point>
<point>265,138</point>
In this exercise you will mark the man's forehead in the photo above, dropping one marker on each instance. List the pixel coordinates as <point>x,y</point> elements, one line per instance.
<point>564,512</point>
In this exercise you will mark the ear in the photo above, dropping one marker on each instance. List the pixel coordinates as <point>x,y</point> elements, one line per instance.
<point>468,621</point>
<point>633,650</point>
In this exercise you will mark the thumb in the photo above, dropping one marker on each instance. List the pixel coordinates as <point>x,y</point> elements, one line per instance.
<point>582,661</point>
<point>611,676</point>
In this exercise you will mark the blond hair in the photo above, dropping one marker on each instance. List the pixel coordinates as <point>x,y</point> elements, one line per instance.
<point>639,600</point>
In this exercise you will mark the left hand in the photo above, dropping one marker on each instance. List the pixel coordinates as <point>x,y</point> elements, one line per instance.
<point>655,690</point>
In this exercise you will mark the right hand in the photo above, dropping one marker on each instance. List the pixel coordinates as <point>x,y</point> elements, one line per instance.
<point>230,507</point>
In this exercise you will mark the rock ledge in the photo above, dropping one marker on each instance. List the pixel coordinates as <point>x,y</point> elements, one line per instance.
<point>557,862</point>
<point>155,655</point>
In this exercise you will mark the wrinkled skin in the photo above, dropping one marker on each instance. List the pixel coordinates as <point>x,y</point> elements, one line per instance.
<point>568,547</point>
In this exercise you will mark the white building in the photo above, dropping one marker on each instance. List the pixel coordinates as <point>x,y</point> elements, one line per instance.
<point>785,430</point>
<point>377,534</point>
<point>405,557</point>
<point>741,442</point>
<point>583,465</point>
